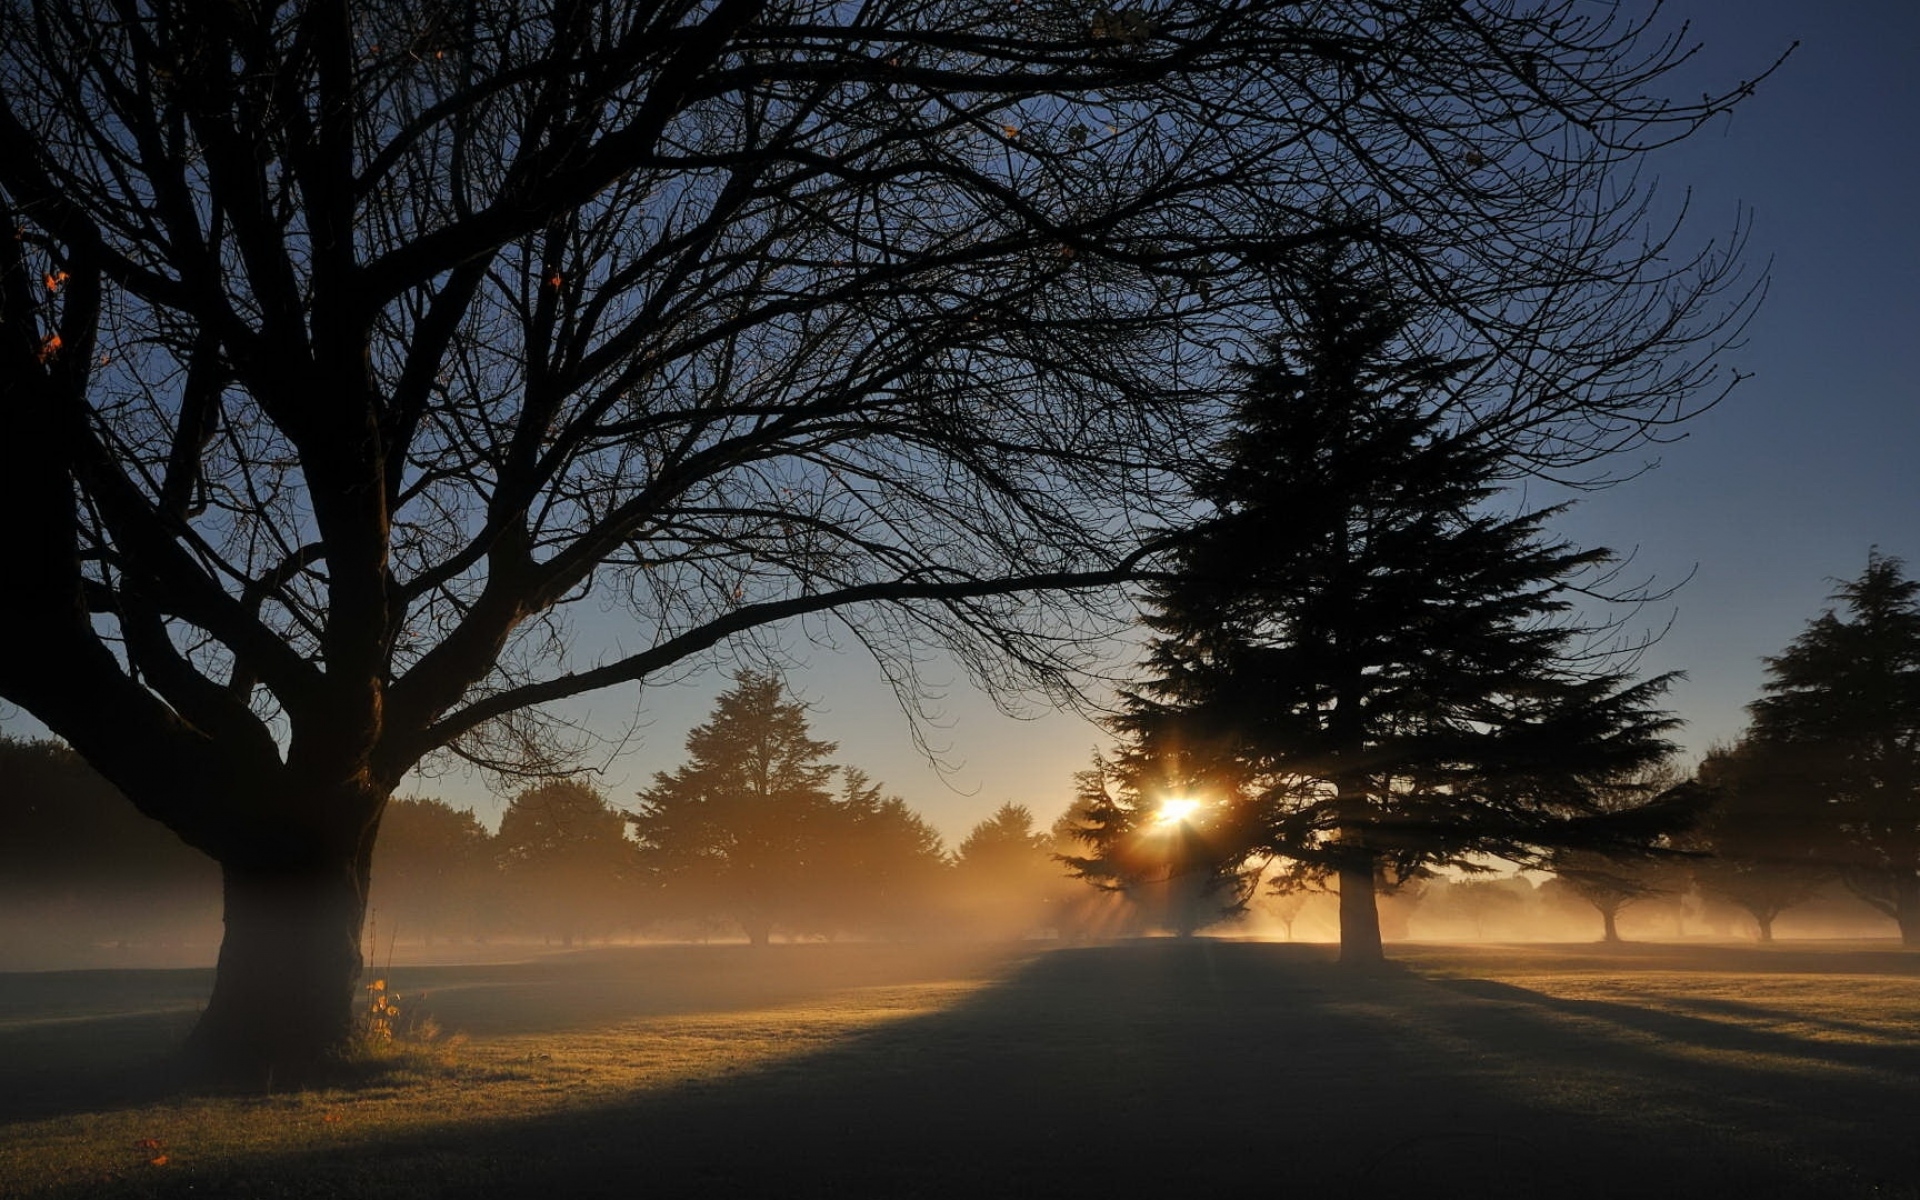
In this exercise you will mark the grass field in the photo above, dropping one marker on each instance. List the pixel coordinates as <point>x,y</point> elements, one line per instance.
<point>1152,1068</point>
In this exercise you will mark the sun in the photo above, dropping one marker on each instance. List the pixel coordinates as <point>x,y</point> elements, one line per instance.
<point>1176,811</point>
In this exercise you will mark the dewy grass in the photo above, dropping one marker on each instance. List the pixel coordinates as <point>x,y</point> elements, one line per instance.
<point>411,1081</point>
<point>880,1070</point>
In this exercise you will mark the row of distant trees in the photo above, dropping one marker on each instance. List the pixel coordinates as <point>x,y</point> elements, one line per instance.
<point>1822,790</point>
<point>79,865</point>
<point>757,832</point>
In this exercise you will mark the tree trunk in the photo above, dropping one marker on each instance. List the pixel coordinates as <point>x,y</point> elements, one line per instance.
<point>1766,926</point>
<point>1359,914</point>
<point>283,1007</point>
<point>1610,925</point>
<point>1907,911</point>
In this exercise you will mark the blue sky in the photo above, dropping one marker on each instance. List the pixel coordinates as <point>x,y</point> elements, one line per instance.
<point>1766,501</point>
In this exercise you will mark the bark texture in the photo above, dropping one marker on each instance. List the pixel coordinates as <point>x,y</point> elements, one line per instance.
<point>1359,915</point>
<point>283,1006</point>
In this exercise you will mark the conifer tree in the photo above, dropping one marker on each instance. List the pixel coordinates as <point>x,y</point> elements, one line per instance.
<point>740,828</point>
<point>1359,659</point>
<point>1841,714</point>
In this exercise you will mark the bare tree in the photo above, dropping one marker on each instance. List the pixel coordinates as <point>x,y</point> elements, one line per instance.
<point>344,348</point>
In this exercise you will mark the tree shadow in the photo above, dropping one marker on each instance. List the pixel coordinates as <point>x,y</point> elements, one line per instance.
<point>93,1041</point>
<point>1678,1030</point>
<point>1177,1068</point>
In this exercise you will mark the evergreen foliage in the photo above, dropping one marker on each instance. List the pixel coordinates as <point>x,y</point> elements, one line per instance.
<point>1006,879</point>
<point>740,827</point>
<point>1839,721</point>
<point>884,866</point>
<point>1764,833</point>
<point>1360,660</point>
<point>749,829</point>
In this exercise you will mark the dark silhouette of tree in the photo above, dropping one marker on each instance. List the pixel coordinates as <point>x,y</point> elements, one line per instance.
<point>1765,836</point>
<point>742,828</point>
<point>1606,885</point>
<point>567,868</point>
<point>345,346</point>
<point>1358,658</point>
<point>1286,907</point>
<point>433,869</point>
<point>883,866</point>
<point>1838,729</point>
<point>1610,882</point>
<point>79,864</point>
<point>1478,901</point>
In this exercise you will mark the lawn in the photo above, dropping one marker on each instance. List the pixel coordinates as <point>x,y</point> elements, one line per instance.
<point>1133,1069</point>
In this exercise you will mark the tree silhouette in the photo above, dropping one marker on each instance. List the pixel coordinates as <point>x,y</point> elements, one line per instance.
<point>566,865</point>
<point>78,864</point>
<point>346,347</point>
<point>1006,875</point>
<point>743,827</point>
<point>1766,835</point>
<point>433,868</point>
<point>1168,828</point>
<point>1368,667</point>
<point>1601,883</point>
<point>1838,729</point>
<point>1610,882</point>
<point>883,866</point>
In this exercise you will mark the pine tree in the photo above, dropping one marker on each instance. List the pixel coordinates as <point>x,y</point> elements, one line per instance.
<point>884,867</point>
<point>1358,659</point>
<point>1841,713</point>
<point>741,827</point>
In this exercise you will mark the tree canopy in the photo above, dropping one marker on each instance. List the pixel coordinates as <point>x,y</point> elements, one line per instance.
<point>1360,661</point>
<point>1837,734</point>
<point>565,861</point>
<point>752,829</point>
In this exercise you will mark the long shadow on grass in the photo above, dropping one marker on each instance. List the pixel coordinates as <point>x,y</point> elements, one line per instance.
<point>1812,1100</point>
<point>89,1041</point>
<point>1160,1068</point>
<point>96,1040</point>
<point>1736,1035</point>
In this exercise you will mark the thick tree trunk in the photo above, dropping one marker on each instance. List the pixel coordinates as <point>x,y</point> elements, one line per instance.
<point>283,1007</point>
<point>1610,925</point>
<point>1907,912</point>
<point>1766,926</point>
<point>1359,915</point>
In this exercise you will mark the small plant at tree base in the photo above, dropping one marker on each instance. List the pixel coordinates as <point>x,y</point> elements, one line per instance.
<point>383,1041</point>
<point>382,1009</point>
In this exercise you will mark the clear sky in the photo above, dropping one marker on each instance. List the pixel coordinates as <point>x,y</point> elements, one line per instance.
<point>1768,499</point>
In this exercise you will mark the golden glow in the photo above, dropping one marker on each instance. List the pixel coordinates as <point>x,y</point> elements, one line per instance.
<point>1175,812</point>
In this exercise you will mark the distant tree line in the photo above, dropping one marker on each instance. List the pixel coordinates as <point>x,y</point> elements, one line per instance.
<point>757,834</point>
<point>1821,792</point>
<point>79,864</point>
